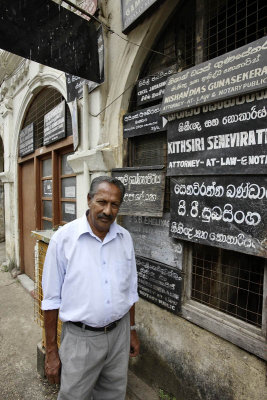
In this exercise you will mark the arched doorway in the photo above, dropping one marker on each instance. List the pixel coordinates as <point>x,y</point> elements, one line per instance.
<point>47,184</point>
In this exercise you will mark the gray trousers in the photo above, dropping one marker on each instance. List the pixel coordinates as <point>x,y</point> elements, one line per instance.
<point>94,364</point>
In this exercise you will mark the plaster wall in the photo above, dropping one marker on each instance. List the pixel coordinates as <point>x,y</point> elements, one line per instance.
<point>191,363</point>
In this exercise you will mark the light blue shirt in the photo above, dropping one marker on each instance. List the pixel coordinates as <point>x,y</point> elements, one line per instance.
<point>88,280</point>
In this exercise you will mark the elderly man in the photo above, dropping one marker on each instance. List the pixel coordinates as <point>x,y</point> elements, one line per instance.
<point>90,278</point>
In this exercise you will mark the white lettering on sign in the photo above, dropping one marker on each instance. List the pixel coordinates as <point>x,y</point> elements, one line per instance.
<point>149,179</point>
<point>228,140</point>
<point>239,240</point>
<point>128,197</point>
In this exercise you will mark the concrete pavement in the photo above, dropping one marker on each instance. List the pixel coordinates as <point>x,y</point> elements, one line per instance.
<point>19,335</point>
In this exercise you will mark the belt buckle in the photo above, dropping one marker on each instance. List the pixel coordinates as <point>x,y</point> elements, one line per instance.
<point>106,328</point>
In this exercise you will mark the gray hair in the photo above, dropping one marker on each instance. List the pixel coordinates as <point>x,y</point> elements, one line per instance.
<point>109,179</point>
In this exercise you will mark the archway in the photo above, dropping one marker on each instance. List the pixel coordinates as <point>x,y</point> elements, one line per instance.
<point>47,185</point>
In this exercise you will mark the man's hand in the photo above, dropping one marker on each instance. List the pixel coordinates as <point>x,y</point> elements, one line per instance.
<point>52,366</point>
<point>134,344</point>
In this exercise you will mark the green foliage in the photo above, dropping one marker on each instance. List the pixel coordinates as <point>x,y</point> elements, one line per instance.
<point>165,396</point>
<point>12,265</point>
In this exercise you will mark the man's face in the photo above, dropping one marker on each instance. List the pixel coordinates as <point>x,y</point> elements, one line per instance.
<point>104,207</point>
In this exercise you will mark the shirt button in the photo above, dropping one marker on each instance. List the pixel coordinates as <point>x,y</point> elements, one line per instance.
<point>108,302</point>
<point>106,281</point>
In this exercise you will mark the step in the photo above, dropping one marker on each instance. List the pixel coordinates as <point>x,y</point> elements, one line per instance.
<point>139,390</point>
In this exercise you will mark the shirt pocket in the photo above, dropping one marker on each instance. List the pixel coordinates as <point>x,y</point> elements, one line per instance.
<point>123,273</point>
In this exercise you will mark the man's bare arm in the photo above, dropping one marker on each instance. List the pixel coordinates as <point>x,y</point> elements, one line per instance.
<point>134,343</point>
<point>52,360</point>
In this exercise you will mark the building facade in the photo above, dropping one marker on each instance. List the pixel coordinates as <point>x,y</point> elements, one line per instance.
<point>202,310</point>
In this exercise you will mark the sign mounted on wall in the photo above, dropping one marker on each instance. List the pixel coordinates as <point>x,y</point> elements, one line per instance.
<point>75,84</point>
<point>49,34</point>
<point>241,71</point>
<point>132,11</point>
<point>88,5</point>
<point>144,190</point>
<point>152,240</point>
<point>55,124</point>
<point>223,211</point>
<point>159,284</point>
<point>26,140</point>
<point>231,139</point>
<point>152,87</point>
<point>143,122</point>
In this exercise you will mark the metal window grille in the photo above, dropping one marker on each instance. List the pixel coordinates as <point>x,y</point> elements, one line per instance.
<point>44,102</point>
<point>147,152</point>
<point>232,24</point>
<point>177,43</point>
<point>228,281</point>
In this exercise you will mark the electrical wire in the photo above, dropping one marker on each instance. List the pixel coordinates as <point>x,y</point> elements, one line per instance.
<point>113,101</point>
<point>81,10</point>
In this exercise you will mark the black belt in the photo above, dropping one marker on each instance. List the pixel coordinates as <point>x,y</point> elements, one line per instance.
<point>105,329</point>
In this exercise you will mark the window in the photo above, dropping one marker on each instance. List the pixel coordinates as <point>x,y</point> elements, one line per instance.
<point>47,194</point>
<point>224,290</point>
<point>58,190</point>
<point>228,281</point>
<point>232,24</point>
<point>67,192</point>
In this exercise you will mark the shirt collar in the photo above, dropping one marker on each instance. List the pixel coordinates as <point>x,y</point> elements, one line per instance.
<point>84,227</point>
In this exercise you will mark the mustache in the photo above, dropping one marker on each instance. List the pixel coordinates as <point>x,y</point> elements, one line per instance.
<point>103,215</point>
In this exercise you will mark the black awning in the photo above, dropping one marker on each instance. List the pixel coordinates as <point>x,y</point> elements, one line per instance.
<point>47,33</point>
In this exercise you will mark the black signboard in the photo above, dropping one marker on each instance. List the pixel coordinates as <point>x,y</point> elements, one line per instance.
<point>222,211</point>
<point>75,87</point>
<point>152,240</point>
<point>143,122</point>
<point>144,190</point>
<point>26,140</point>
<point>75,84</point>
<point>159,284</point>
<point>55,124</point>
<point>232,139</point>
<point>240,71</point>
<point>132,11</point>
<point>152,87</point>
<point>43,31</point>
